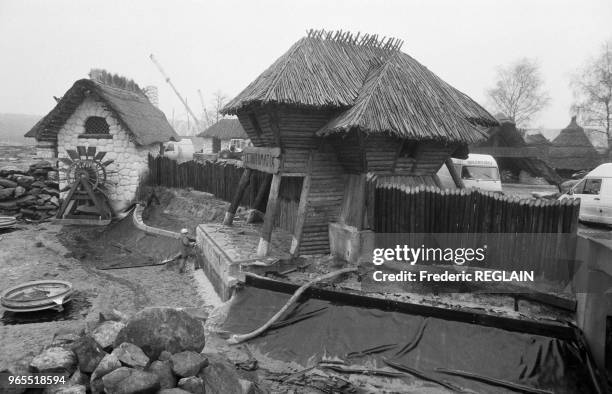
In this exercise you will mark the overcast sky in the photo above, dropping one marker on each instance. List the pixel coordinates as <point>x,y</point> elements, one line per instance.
<point>223,45</point>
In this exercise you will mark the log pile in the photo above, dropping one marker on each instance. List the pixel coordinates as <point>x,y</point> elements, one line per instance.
<point>31,194</point>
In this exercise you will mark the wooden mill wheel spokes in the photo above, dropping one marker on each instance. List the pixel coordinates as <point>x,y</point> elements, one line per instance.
<point>86,163</point>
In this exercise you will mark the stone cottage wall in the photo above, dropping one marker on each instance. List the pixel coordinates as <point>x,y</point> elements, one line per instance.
<point>130,159</point>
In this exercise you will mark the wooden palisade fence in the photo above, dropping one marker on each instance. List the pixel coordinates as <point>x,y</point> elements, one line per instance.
<point>522,234</point>
<point>218,178</point>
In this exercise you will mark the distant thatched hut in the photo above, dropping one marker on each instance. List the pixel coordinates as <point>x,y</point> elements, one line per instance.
<point>218,136</point>
<point>113,115</point>
<point>336,107</point>
<point>572,150</point>
<point>538,140</point>
<point>525,163</point>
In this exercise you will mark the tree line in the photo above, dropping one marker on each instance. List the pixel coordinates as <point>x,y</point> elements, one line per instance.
<point>518,91</point>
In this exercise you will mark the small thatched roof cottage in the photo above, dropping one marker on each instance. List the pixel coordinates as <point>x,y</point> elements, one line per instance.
<point>218,136</point>
<point>114,115</point>
<point>572,150</point>
<point>338,106</point>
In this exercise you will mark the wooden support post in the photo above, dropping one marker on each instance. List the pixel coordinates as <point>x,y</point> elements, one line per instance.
<point>302,207</point>
<point>255,215</point>
<point>453,172</point>
<point>268,226</point>
<point>242,185</point>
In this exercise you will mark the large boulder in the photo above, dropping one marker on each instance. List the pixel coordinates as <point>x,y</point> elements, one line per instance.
<point>220,376</point>
<point>185,364</point>
<point>106,333</point>
<point>163,370</point>
<point>108,364</point>
<point>88,353</point>
<point>193,384</point>
<point>158,329</point>
<point>132,355</point>
<point>130,381</point>
<point>54,359</point>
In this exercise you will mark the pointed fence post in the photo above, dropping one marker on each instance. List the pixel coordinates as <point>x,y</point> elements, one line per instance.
<point>266,231</point>
<point>242,185</point>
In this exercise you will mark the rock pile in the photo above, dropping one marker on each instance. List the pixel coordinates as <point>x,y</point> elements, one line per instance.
<point>31,194</point>
<point>164,356</point>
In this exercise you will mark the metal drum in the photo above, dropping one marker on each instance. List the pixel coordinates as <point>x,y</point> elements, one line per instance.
<point>36,296</point>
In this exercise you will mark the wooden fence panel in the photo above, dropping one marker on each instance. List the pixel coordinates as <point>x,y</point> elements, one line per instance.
<point>425,209</point>
<point>218,178</point>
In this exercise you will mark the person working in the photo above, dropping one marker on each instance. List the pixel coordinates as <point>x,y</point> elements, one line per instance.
<point>186,243</point>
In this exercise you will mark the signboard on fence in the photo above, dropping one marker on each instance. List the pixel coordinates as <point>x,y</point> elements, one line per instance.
<point>262,159</point>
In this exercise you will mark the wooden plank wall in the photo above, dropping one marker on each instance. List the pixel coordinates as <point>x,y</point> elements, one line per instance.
<point>324,201</point>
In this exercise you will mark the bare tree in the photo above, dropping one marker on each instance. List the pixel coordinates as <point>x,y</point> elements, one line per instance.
<point>592,87</point>
<point>218,101</point>
<point>519,91</point>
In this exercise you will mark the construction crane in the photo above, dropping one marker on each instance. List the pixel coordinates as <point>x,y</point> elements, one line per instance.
<point>161,70</point>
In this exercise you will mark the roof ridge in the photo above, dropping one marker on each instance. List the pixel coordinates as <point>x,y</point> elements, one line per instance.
<point>347,37</point>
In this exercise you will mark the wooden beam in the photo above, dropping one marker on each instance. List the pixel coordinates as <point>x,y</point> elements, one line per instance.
<point>301,213</point>
<point>271,210</point>
<point>68,198</point>
<point>256,213</point>
<point>242,185</point>
<point>453,173</point>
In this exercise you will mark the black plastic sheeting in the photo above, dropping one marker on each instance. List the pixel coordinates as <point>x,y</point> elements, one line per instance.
<point>316,327</point>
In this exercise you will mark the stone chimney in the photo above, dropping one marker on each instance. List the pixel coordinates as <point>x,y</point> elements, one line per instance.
<point>151,93</point>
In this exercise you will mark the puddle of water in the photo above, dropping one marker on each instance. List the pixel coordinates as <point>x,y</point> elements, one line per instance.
<point>77,308</point>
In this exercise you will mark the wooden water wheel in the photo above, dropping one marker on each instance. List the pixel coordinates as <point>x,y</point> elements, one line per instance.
<point>87,177</point>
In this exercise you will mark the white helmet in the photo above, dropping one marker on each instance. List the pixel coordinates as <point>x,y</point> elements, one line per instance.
<point>184,231</point>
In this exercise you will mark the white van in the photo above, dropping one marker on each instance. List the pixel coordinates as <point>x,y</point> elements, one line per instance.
<point>595,193</point>
<point>180,151</point>
<point>477,171</point>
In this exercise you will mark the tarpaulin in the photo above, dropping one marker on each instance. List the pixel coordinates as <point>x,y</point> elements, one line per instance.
<point>439,348</point>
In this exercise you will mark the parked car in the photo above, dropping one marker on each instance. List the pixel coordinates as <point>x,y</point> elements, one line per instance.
<point>595,194</point>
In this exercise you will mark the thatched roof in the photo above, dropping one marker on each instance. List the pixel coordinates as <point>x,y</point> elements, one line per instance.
<point>507,135</point>
<point>572,149</point>
<point>379,88</point>
<point>225,129</point>
<point>146,123</point>
<point>537,139</point>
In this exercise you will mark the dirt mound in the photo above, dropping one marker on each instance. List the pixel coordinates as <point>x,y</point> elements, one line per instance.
<point>180,208</point>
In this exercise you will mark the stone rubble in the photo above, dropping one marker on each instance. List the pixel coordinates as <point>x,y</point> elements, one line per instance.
<point>126,369</point>
<point>31,194</point>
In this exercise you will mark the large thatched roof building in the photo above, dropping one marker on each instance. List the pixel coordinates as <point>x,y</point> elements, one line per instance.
<point>337,106</point>
<point>572,150</point>
<point>112,114</point>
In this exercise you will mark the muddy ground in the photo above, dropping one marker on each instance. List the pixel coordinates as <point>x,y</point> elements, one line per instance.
<point>37,252</point>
